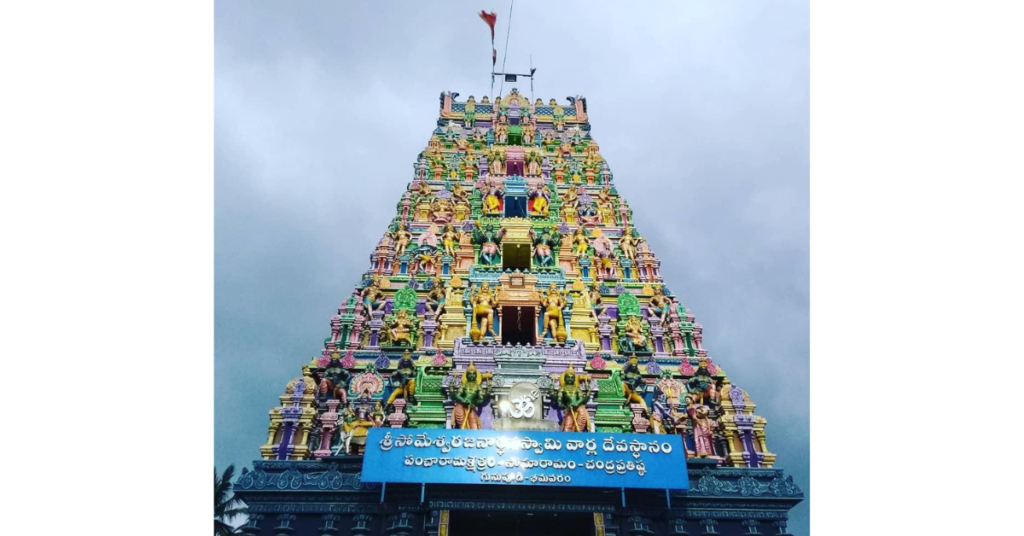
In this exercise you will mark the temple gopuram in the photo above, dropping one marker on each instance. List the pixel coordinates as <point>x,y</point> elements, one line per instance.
<point>513,363</point>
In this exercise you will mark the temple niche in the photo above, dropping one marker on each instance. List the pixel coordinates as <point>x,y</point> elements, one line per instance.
<point>512,291</point>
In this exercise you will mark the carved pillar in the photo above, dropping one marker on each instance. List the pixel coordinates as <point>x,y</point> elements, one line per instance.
<point>329,421</point>
<point>677,527</point>
<point>604,328</point>
<point>638,526</point>
<point>640,424</point>
<point>375,325</point>
<point>627,269</point>
<point>407,202</point>
<point>709,526</point>
<point>585,268</point>
<point>329,528</point>
<point>658,334</point>
<point>252,525</point>
<point>678,346</point>
<point>429,326</point>
<point>362,525</point>
<point>399,524</point>
<point>284,525</point>
<point>780,526</point>
<point>398,418</point>
<point>357,327</point>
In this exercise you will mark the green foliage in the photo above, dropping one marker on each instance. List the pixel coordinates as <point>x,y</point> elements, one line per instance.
<point>225,506</point>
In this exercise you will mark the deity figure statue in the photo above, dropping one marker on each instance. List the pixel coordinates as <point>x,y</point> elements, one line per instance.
<point>402,237</point>
<point>541,197</point>
<point>579,238</point>
<point>501,132</point>
<point>435,298</point>
<point>558,118</point>
<point>558,168</point>
<point>632,338</point>
<point>341,442</point>
<point>528,132</point>
<point>606,206</point>
<point>428,238</point>
<point>489,241</point>
<point>605,195</point>
<point>570,201</point>
<point>467,165</point>
<point>427,259</point>
<point>702,386</point>
<point>659,305</point>
<point>442,209</point>
<point>450,239</point>
<point>459,193</point>
<point>484,302</point>
<point>404,379</point>
<point>603,250</point>
<point>595,299</point>
<point>360,427</point>
<point>544,245</point>
<point>399,329</point>
<point>373,296</point>
<point>423,191</point>
<point>572,400</point>
<point>633,382</point>
<point>378,415</point>
<point>493,194</point>
<point>469,115</point>
<point>703,428</point>
<point>471,394</point>
<point>533,162</point>
<point>337,379</point>
<point>552,302</point>
<point>627,243</point>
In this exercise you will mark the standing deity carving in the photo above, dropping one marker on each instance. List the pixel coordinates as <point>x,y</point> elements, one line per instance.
<point>572,397</point>
<point>489,241</point>
<point>544,244</point>
<point>450,239</point>
<point>470,395</point>
<point>484,302</point>
<point>401,237</point>
<point>404,379</point>
<point>373,296</point>
<point>703,427</point>
<point>493,196</point>
<point>552,302</point>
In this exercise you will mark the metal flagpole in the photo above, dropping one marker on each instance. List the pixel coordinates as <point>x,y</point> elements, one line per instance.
<point>504,55</point>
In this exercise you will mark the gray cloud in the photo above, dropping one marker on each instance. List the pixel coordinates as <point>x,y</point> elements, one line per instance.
<point>700,109</point>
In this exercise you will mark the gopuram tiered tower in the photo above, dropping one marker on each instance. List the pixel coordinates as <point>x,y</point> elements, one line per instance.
<point>511,301</point>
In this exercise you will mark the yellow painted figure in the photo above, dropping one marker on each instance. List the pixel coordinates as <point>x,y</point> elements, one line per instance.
<point>405,374</point>
<point>399,329</point>
<point>553,302</point>
<point>483,301</point>
<point>401,237</point>
<point>632,382</point>
<point>582,242</point>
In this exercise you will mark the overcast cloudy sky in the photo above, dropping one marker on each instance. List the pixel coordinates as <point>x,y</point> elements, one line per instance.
<point>701,109</point>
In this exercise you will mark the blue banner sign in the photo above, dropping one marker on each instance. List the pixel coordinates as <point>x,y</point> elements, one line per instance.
<point>602,460</point>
